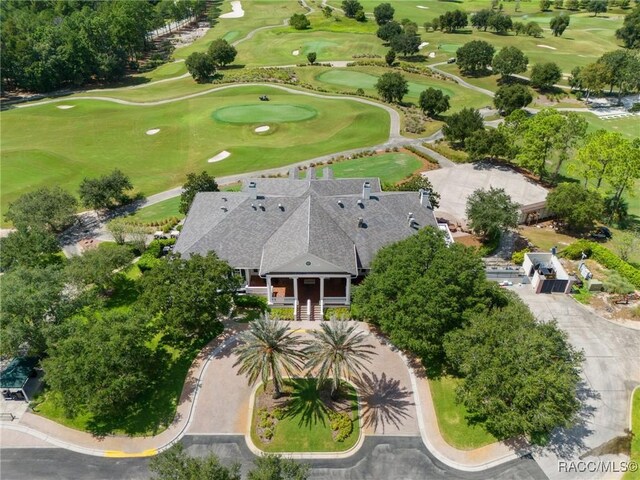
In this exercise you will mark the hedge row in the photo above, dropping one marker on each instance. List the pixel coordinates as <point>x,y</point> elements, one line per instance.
<point>604,257</point>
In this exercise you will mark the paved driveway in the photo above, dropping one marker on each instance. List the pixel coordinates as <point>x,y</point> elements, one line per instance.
<point>611,370</point>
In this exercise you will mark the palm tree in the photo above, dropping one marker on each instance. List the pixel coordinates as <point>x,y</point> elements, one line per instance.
<point>267,350</point>
<point>337,351</point>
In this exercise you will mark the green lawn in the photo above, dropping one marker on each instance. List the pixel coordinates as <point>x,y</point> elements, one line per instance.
<point>635,441</point>
<point>44,145</point>
<point>305,425</point>
<point>389,167</point>
<point>159,211</point>
<point>454,427</point>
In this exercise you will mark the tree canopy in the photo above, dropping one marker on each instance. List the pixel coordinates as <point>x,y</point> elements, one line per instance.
<point>489,142</point>
<point>545,75</point>
<point>48,208</point>
<point>389,30</point>
<point>520,376</point>
<point>461,125</point>
<point>351,8</point>
<point>299,21</point>
<point>221,52</point>
<point>433,102</point>
<point>196,183</point>
<point>512,97</point>
<point>190,295</point>
<point>559,24</point>
<point>405,43</point>
<point>508,61</point>
<point>200,66</point>
<point>107,191</point>
<point>491,211</point>
<point>96,267</point>
<point>474,57</point>
<point>392,87</point>
<point>629,33</point>
<point>383,13</point>
<point>577,207</point>
<point>416,183</point>
<point>28,248</point>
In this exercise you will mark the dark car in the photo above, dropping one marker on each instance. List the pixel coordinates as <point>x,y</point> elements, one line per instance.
<point>602,233</point>
<point>452,60</point>
<point>264,98</point>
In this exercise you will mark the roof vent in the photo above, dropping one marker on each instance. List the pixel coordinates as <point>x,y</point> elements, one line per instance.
<point>224,199</point>
<point>366,190</point>
<point>261,207</point>
<point>360,203</point>
<point>341,203</point>
<point>413,223</point>
<point>224,209</point>
<point>360,222</point>
<point>410,216</point>
<point>253,190</point>
<point>425,198</point>
<point>253,205</point>
<point>281,207</point>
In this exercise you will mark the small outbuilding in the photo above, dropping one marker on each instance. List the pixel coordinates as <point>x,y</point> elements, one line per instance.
<point>546,273</point>
<point>14,379</point>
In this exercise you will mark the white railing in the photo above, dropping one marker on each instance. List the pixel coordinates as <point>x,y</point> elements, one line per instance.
<point>335,300</point>
<point>284,301</point>
<point>321,306</point>
<point>257,290</point>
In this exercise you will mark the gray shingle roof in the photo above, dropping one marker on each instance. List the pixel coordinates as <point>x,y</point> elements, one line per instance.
<point>291,218</point>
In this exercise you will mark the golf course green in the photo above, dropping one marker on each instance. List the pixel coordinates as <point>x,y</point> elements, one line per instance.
<point>157,145</point>
<point>264,112</point>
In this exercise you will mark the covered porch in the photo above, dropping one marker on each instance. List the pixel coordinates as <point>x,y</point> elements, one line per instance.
<point>294,290</point>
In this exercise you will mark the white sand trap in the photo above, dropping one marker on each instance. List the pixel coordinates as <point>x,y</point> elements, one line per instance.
<point>295,53</point>
<point>422,7</point>
<point>263,128</point>
<point>153,131</point>
<point>65,107</point>
<point>236,12</point>
<point>422,45</point>
<point>432,54</point>
<point>546,46</point>
<point>221,156</point>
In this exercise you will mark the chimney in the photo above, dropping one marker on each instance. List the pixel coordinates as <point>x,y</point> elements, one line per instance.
<point>253,191</point>
<point>311,173</point>
<point>366,191</point>
<point>327,173</point>
<point>424,199</point>
<point>293,173</point>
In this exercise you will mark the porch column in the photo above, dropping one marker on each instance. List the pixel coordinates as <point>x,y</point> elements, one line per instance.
<point>321,294</point>
<point>269,291</point>
<point>247,276</point>
<point>348,290</point>
<point>295,288</point>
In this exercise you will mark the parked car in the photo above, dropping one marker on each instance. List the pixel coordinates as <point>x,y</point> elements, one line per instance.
<point>601,233</point>
<point>264,98</point>
<point>452,60</point>
<point>160,235</point>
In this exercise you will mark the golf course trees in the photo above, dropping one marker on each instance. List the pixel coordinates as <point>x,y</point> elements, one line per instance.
<point>50,208</point>
<point>489,143</point>
<point>545,75</point>
<point>559,24</point>
<point>189,296</point>
<point>96,267</point>
<point>416,294</point>
<point>500,22</point>
<point>623,70</point>
<point>337,351</point>
<point>520,376</point>
<point>104,381</point>
<point>107,191</point>
<point>512,97</point>
<point>474,57</point>
<point>508,61</point>
<point>196,183</point>
<point>629,33</point>
<point>592,78</point>
<point>390,57</point>
<point>383,13</point>
<point>351,8</point>
<point>480,20</point>
<point>577,207</point>
<point>490,212</point>
<point>406,43</point>
<point>392,86</point>
<point>597,6</point>
<point>311,57</point>
<point>299,21</point>
<point>267,351</point>
<point>30,247</point>
<point>200,66</point>
<point>175,463</point>
<point>596,158</point>
<point>221,52</point>
<point>461,125</point>
<point>453,21</point>
<point>389,30</point>
<point>433,102</point>
<point>545,5</point>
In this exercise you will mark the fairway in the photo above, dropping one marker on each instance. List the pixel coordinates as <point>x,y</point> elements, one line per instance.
<point>389,167</point>
<point>261,112</point>
<point>44,145</point>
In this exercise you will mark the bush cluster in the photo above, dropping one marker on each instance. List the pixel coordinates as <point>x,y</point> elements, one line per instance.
<point>151,257</point>
<point>518,257</point>
<point>285,314</point>
<point>341,424</point>
<point>338,313</point>
<point>266,422</point>
<point>604,257</point>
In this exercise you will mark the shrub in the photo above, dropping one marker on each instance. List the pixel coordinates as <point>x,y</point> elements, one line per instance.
<point>341,424</point>
<point>282,314</point>
<point>151,257</point>
<point>338,313</point>
<point>251,301</point>
<point>267,433</point>
<point>278,413</point>
<point>518,257</point>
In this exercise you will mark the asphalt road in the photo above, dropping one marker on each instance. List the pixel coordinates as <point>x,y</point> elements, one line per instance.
<point>380,458</point>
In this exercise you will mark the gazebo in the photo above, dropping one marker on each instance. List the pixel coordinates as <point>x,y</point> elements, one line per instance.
<point>15,376</point>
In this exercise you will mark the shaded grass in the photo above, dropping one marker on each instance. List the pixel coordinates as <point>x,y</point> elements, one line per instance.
<point>159,211</point>
<point>454,427</point>
<point>389,167</point>
<point>635,440</point>
<point>305,425</point>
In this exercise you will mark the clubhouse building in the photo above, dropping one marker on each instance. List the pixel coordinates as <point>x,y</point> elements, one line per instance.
<point>302,243</point>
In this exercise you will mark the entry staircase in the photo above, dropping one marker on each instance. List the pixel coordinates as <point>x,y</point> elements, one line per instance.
<point>308,311</point>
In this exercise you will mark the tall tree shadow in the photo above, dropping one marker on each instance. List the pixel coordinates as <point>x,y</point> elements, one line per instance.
<point>385,401</point>
<point>305,401</point>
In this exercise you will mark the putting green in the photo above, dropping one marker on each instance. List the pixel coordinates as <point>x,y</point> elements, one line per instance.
<point>367,81</point>
<point>264,113</point>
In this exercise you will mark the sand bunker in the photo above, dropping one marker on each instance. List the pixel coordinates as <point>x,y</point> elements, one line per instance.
<point>546,46</point>
<point>422,7</point>
<point>236,12</point>
<point>221,156</point>
<point>65,107</point>
<point>153,131</point>
<point>263,128</point>
<point>295,52</point>
<point>432,54</point>
<point>422,45</point>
